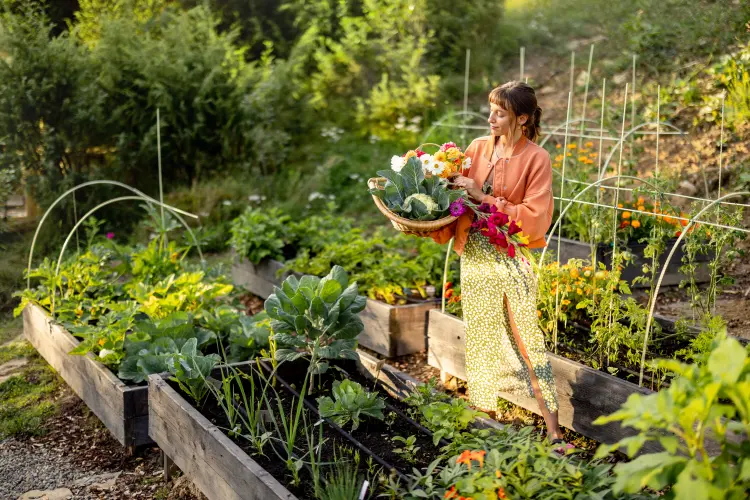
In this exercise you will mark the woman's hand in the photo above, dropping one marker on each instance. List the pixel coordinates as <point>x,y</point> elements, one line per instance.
<point>469,185</point>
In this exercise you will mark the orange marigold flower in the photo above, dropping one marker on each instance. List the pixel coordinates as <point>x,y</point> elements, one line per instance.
<point>574,273</point>
<point>102,341</point>
<point>501,493</point>
<point>498,474</point>
<point>626,215</point>
<point>636,224</point>
<point>565,302</point>
<point>684,223</point>
<point>572,146</point>
<point>539,313</point>
<point>558,146</point>
<point>451,493</point>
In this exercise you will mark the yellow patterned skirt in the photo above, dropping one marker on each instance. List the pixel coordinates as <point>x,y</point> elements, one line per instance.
<point>493,361</point>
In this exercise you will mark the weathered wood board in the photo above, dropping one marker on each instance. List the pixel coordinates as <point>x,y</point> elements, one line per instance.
<point>122,409</point>
<point>220,468</point>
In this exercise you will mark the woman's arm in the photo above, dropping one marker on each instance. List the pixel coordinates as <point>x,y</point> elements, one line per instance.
<point>535,211</point>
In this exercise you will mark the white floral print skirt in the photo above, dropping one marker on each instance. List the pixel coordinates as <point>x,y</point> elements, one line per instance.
<point>493,360</point>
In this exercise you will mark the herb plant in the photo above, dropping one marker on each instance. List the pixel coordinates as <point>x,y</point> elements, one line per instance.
<point>350,403</point>
<point>407,451</point>
<point>447,420</point>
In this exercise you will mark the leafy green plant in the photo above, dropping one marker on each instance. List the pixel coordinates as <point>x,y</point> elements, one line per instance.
<point>260,234</point>
<point>317,317</point>
<point>706,401</point>
<point>506,463</point>
<point>190,369</point>
<point>447,420</point>
<point>249,336</point>
<point>425,395</point>
<point>411,195</point>
<point>152,344</point>
<point>408,450</point>
<point>350,402</point>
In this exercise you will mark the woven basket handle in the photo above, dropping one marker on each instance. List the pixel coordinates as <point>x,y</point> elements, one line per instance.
<point>428,144</point>
<point>376,183</point>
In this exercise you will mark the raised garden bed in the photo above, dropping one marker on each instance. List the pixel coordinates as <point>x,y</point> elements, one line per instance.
<point>583,393</point>
<point>222,468</point>
<point>123,409</point>
<point>389,330</point>
<point>573,249</point>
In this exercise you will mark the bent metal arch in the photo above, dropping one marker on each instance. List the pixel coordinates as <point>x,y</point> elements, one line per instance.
<point>140,196</point>
<point>91,212</point>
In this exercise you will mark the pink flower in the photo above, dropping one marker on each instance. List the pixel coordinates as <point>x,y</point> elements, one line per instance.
<point>419,153</point>
<point>513,228</point>
<point>511,251</point>
<point>484,208</point>
<point>110,235</point>
<point>447,146</point>
<point>457,208</point>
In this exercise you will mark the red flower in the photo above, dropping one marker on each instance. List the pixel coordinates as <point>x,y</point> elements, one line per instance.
<point>419,153</point>
<point>451,493</point>
<point>499,219</point>
<point>513,228</point>
<point>511,251</point>
<point>447,146</point>
<point>484,207</point>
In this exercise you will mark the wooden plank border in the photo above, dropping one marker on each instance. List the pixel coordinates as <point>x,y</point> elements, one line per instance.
<point>389,330</point>
<point>220,468</point>
<point>122,408</point>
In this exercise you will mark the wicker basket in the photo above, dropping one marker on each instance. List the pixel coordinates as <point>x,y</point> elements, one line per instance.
<point>420,228</point>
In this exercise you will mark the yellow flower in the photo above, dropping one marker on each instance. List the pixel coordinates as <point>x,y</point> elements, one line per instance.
<point>439,156</point>
<point>558,146</point>
<point>453,154</point>
<point>589,144</point>
<point>641,208</point>
<point>410,154</point>
<point>579,291</point>
<point>539,313</point>
<point>574,273</point>
<point>565,302</point>
<point>523,238</point>
<point>572,146</point>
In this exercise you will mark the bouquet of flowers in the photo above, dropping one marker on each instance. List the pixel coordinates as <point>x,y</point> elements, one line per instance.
<point>446,163</point>
<point>503,233</point>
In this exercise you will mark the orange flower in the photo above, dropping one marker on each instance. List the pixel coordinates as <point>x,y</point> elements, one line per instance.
<point>539,313</point>
<point>589,144</point>
<point>641,208</point>
<point>451,493</point>
<point>636,224</point>
<point>501,493</point>
<point>102,341</point>
<point>558,146</point>
<point>574,273</point>
<point>684,223</point>
<point>626,215</point>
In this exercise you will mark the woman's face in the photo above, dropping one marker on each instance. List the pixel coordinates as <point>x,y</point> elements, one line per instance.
<point>502,121</point>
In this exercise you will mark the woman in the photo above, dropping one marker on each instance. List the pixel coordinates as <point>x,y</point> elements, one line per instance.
<point>504,344</point>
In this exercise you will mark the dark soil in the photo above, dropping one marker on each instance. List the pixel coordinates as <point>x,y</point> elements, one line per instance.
<point>374,435</point>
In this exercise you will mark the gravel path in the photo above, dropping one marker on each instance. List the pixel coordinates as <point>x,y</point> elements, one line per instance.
<point>25,467</point>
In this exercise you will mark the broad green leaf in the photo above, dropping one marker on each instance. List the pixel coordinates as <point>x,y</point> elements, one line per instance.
<point>330,290</point>
<point>727,361</point>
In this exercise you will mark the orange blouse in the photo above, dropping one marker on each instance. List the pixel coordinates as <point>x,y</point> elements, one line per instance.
<point>524,180</point>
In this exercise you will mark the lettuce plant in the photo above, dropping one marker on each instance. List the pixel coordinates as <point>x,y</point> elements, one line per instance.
<point>350,402</point>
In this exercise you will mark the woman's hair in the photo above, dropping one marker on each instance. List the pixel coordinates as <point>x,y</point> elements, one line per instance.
<point>519,98</point>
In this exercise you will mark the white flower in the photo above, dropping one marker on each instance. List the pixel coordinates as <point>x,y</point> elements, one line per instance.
<point>466,163</point>
<point>431,165</point>
<point>254,197</point>
<point>226,203</point>
<point>397,163</point>
<point>315,195</point>
<point>105,352</point>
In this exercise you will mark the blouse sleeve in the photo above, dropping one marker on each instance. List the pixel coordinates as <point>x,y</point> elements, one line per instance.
<point>535,211</point>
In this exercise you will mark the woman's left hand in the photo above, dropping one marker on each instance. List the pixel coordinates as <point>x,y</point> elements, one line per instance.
<point>469,185</point>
